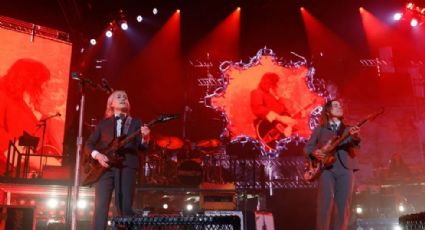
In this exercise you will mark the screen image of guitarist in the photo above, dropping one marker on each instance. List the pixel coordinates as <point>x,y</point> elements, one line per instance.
<point>273,122</point>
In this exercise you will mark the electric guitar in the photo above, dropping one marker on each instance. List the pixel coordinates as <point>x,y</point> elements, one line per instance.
<point>270,132</point>
<point>313,167</point>
<point>93,170</point>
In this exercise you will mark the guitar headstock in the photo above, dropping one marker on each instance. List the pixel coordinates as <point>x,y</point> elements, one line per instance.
<point>163,118</point>
<point>372,116</point>
<point>166,117</point>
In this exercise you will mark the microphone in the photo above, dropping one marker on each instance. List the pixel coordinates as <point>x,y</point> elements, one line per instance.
<point>106,87</point>
<point>79,77</point>
<point>76,76</point>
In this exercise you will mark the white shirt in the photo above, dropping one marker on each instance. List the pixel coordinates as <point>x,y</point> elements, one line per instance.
<point>118,132</point>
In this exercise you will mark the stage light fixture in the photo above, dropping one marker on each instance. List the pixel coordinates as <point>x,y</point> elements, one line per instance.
<point>52,203</point>
<point>108,33</point>
<point>178,11</point>
<point>82,204</point>
<point>93,41</point>
<point>165,206</point>
<point>189,207</point>
<point>359,210</point>
<point>139,18</point>
<point>124,25</point>
<point>401,208</point>
<point>412,14</point>
<point>397,16</point>
<point>155,11</point>
<point>414,22</point>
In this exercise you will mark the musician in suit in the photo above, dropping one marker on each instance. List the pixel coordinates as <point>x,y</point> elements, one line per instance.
<point>265,102</point>
<point>336,181</point>
<point>117,122</point>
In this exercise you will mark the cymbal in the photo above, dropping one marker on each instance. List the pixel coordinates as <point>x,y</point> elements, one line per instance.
<point>209,143</point>
<point>169,142</point>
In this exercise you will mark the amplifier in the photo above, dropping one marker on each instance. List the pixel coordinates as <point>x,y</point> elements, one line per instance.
<point>217,196</point>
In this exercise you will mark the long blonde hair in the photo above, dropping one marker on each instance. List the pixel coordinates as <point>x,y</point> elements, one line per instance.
<point>109,110</point>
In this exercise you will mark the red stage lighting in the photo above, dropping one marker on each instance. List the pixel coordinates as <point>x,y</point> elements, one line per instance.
<point>397,16</point>
<point>108,33</point>
<point>124,25</point>
<point>414,22</point>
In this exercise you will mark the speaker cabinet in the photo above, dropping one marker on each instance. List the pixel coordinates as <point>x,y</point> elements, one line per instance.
<point>17,217</point>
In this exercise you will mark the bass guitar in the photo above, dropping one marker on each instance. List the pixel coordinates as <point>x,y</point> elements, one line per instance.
<point>93,170</point>
<point>270,132</point>
<point>313,167</point>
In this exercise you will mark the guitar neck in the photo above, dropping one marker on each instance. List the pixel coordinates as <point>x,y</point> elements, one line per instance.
<point>134,134</point>
<point>298,113</point>
<point>345,135</point>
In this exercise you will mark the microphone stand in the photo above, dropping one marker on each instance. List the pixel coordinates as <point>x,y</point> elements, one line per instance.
<point>76,190</point>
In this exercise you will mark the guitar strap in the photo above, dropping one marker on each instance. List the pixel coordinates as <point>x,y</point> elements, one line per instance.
<point>127,125</point>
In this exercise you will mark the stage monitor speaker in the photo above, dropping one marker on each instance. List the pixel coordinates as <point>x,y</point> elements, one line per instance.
<point>164,222</point>
<point>17,217</point>
<point>227,213</point>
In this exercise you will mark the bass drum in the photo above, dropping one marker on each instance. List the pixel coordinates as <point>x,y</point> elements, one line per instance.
<point>189,173</point>
<point>244,147</point>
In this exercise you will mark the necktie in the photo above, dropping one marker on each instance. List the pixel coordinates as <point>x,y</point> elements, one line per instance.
<point>119,122</point>
<point>333,126</point>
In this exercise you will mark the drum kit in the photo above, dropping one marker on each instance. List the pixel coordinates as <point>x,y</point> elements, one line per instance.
<point>174,161</point>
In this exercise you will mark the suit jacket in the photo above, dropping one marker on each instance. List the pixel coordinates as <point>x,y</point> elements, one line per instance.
<point>345,151</point>
<point>104,134</point>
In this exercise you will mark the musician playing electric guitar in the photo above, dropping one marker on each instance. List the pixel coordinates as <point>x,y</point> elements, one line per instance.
<point>266,105</point>
<point>122,177</point>
<point>336,179</point>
